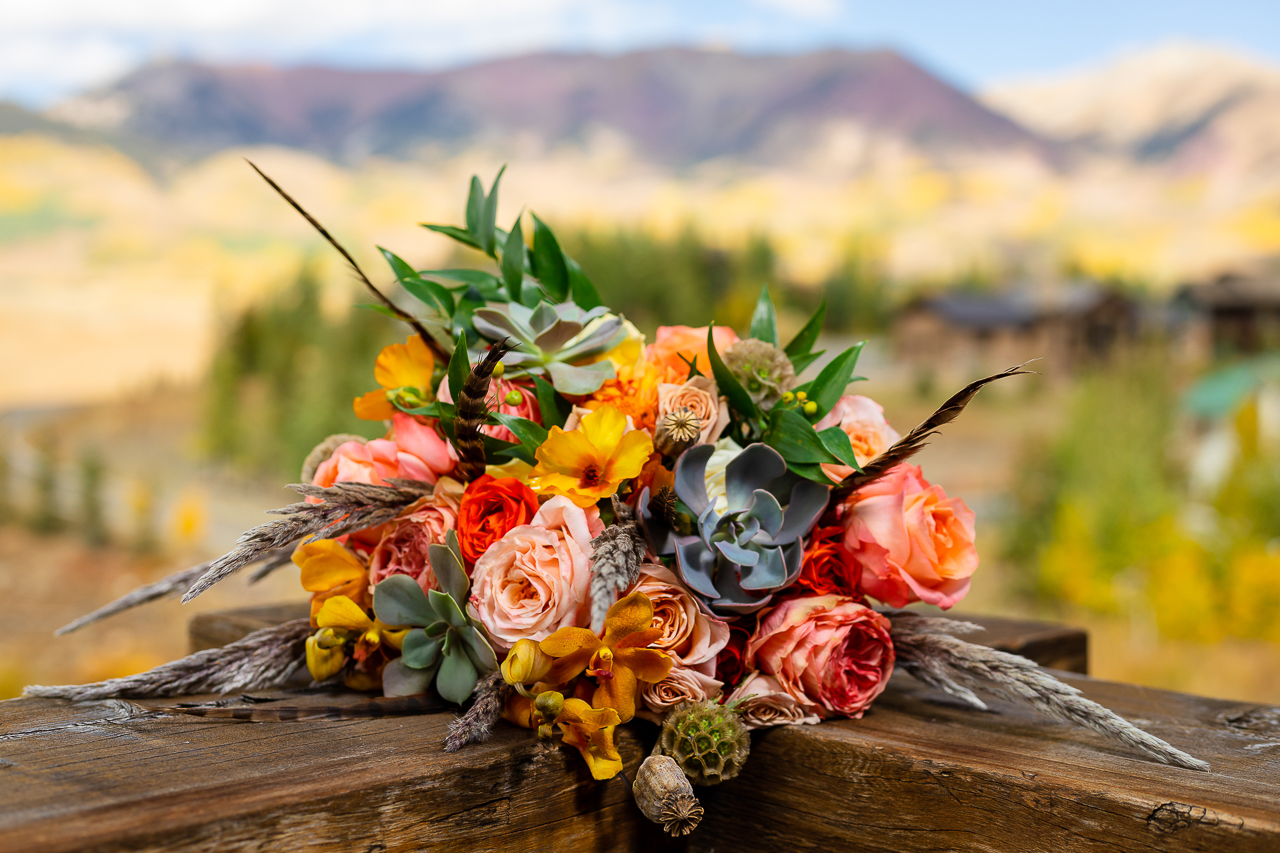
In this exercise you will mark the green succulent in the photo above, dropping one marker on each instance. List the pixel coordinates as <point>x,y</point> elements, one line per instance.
<point>446,645</point>
<point>707,740</point>
<point>549,339</point>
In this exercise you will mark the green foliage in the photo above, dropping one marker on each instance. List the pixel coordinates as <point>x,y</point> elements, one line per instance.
<point>47,515</point>
<point>93,526</point>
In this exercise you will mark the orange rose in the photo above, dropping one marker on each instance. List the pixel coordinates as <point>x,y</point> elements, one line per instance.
<point>671,342</point>
<point>491,507</point>
<point>828,568</point>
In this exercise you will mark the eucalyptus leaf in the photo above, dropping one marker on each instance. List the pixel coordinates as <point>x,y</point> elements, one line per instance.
<point>457,678</point>
<point>420,651</point>
<point>399,600</point>
<point>764,322</point>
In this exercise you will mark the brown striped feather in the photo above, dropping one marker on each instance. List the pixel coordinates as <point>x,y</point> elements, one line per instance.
<point>472,412</point>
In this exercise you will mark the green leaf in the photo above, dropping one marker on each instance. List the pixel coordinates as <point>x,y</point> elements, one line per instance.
<point>802,343</point>
<point>795,438</point>
<point>419,650</point>
<point>459,234</point>
<point>381,309</point>
<point>513,261</point>
<point>831,383</point>
<point>457,678</point>
<point>837,442</point>
<point>479,278</point>
<point>485,233</point>
<point>764,322</point>
<point>399,600</point>
<point>475,204</point>
<point>584,293</point>
<point>727,383</point>
<point>462,326</point>
<point>518,451</point>
<point>554,408</point>
<point>531,434</point>
<point>800,362</point>
<point>548,261</point>
<point>810,471</point>
<point>447,608</point>
<point>447,566</point>
<point>478,649</point>
<point>459,368</point>
<point>439,410</point>
<point>425,291</point>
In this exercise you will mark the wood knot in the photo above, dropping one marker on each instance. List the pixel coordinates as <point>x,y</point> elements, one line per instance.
<point>1168,818</point>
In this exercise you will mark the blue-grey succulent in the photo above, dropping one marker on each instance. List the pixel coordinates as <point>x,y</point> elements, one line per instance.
<point>737,556</point>
<point>547,340</point>
<point>445,645</point>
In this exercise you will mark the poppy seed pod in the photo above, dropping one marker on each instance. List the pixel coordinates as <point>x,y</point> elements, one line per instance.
<point>677,432</point>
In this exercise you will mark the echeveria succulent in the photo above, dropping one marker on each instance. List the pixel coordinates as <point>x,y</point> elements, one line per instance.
<point>548,339</point>
<point>446,647</point>
<point>740,554</point>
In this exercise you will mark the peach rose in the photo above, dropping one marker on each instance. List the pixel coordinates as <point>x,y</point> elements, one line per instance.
<point>402,550</point>
<point>912,541</point>
<point>762,703</point>
<point>700,395</point>
<point>671,342</point>
<point>830,653</point>
<point>862,419</point>
<point>535,579</point>
<point>527,408</point>
<point>682,684</point>
<point>690,635</point>
<point>353,462</point>
<point>420,451</point>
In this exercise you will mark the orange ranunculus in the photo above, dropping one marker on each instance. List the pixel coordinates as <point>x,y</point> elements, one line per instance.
<point>406,365</point>
<point>619,661</point>
<point>328,570</point>
<point>828,568</point>
<point>490,508</point>
<point>590,462</point>
<point>671,342</point>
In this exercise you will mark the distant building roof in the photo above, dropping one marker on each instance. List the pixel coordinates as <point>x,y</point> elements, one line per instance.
<point>1234,291</point>
<point>1014,307</point>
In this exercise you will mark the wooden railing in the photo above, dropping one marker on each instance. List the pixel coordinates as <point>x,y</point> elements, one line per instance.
<point>917,773</point>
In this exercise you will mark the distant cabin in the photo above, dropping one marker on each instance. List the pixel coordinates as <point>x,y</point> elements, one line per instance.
<point>1242,312</point>
<point>971,332</point>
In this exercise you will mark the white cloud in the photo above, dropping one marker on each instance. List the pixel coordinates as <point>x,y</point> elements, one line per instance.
<point>813,10</point>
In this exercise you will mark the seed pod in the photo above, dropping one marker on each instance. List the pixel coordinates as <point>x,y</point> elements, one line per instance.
<point>708,741</point>
<point>664,795</point>
<point>677,431</point>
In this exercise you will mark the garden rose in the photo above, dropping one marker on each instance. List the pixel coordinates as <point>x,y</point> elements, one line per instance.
<point>682,684</point>
<point>527,408</point>
<point>355,462</point>
<point>832,654</point>
<point>828,568</point>
<point>402,550</point>
<point>671,342</point>
<point>689,634</point>
<point>490,508</point>
<point>421,453</point>
<point>762,702</point>
<point>700,395</point>
<point>912,541</point>
<point>534,579</point>
<point>862,419</point>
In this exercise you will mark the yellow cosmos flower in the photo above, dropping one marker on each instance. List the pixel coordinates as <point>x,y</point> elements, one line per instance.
<point>329,569</point>
<point>591,731</point>
<point>589,463</point>
<point>406,365</point>
<point>618,661</point>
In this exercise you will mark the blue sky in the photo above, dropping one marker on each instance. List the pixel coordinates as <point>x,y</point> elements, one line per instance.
<point>53,48</point>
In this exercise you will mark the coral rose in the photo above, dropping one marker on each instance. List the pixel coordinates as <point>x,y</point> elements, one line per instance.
<point>862,419</point>
<point>355,462</point>
<point>527,408</point>
<point>682,684</point>
<point>912,541</point>
<point>490,508</point>
<point>832,654</point>
<point>671,342</point>
<point>402,550</point>
<point>700,395</point>
<point>690,635</point>
<point>762,703</point>
<point>534,579</point>
<point>421,453</point>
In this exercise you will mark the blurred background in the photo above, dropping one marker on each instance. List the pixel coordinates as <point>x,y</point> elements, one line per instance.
<point>967,185</point>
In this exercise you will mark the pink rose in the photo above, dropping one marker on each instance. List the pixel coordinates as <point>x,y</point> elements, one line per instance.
<point>682,684</point>
<point>912,541</point>
<point>499,389</point>
<point>534,580</point>
<point>421,453</point>
<point>672,342</point>
<point>402,550</point>
<point>830,653</point>
<point>700,395</point>
<point>862,419</point>
<point>762,703</point>
<point>689,634</point>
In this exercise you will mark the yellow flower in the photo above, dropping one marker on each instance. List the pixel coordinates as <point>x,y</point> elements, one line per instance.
<point>589,463</point>
<point>618,661</point>
<point>634,392</point>
<point>329,569</point>
<point>407,365</point>
<point>591,731</point>
<point>525,663</point>
<point>341,621</point>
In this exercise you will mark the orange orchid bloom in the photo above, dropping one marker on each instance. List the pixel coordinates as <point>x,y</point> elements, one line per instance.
<point>409,365</point>
<point>329,569</point>
<point>591,731</point>
<point>618,661</point>
<point>590,462</point>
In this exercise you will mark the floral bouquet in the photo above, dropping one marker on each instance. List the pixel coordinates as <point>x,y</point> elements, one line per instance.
<point>569,528</point>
